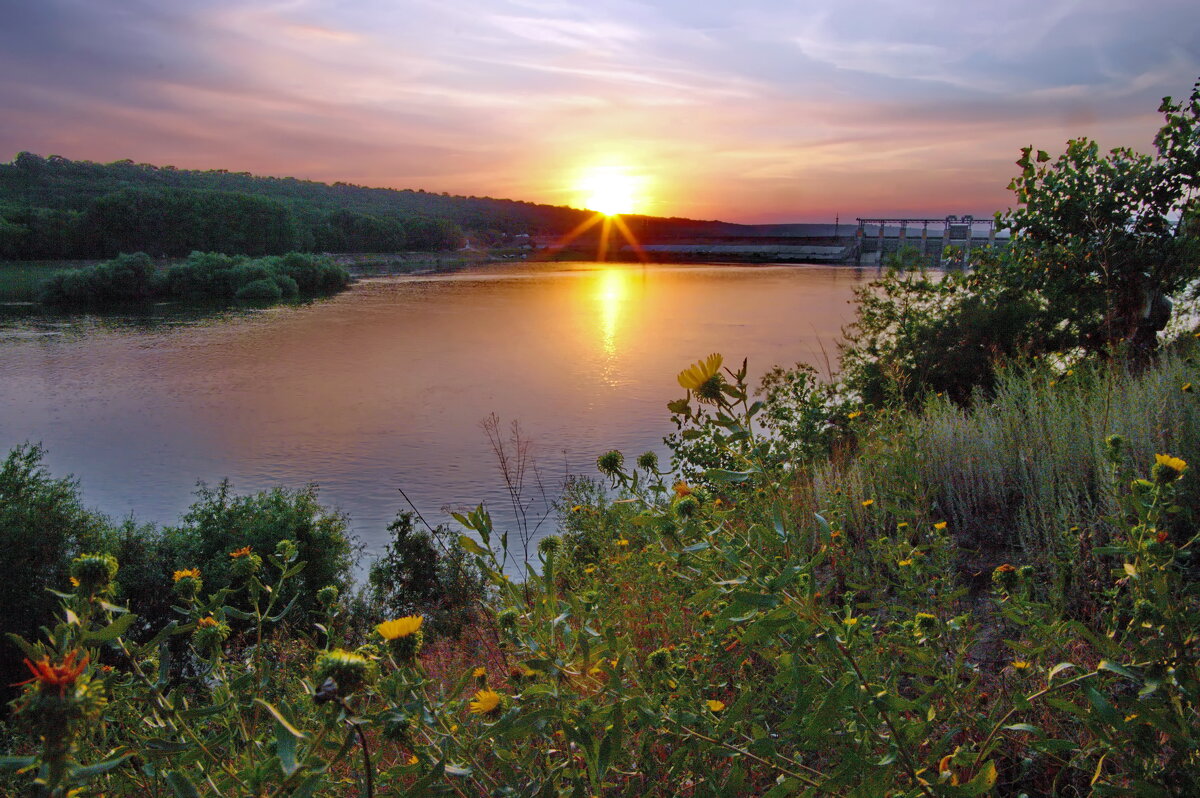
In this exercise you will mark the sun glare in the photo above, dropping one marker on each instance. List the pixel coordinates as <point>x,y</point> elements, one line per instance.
<point>611,190</point>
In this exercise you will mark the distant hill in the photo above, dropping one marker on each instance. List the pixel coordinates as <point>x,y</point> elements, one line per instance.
<point>58,208</point>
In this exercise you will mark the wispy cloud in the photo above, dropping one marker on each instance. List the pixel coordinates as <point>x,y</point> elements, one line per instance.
<point>760,110</point>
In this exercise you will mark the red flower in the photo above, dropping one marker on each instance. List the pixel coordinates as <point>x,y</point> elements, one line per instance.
<point>62,675</point>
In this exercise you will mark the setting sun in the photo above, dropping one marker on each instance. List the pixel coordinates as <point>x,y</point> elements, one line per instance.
<point>611,190</point>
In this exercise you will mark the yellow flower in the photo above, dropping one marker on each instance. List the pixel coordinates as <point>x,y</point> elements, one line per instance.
<point>577,508</point>
<point>193,573</point>
<point>940,525</point>
<point>208,621</point>
<point>596,670</point>
<point>74,582</point>
<point>589,569</point>
<point>1177,464</point>
<point>401,627</point>
<point>854,415</point>
<point>412,759</point>
<point>850,621</point>
<point>479,672</point>
<point>244,551</point>
<point>714,705</point>
<point>868,502</point>
<point>901,525</point>
<point>905,563</point>
<point>485,702</point>
<point>622,542</point>
<point>1187,387</point>
<point>692,378</point>
<point>1020,664</point>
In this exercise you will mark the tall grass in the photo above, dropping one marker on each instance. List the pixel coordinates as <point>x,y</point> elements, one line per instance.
<point>1024,474</point>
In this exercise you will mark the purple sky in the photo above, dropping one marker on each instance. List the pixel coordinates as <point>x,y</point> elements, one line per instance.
<point>745,111</point>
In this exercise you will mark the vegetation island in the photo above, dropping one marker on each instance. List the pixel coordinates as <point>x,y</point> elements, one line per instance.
<point>965,566</point>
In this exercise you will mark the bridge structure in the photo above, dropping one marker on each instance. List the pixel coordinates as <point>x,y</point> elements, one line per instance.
<point>931,238</point>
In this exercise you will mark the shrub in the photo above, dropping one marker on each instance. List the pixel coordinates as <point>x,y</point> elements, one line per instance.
<point>264,290</point>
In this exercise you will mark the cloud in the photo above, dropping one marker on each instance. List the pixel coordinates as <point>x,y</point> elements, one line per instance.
<point>761,110</point>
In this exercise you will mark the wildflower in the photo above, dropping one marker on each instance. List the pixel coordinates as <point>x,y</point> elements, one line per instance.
<point>1167,468</point>
<point>412,759</point>
<point>854,415</point>
<point>610,463</point>
<point>548,545</point>
<point>95,572</point>
<point>687,506</point>
<point>902,525</point>
<point>245,562</point>
<point>851,621</point>
<point>1187,387</point>
<point>1021,664</point>
<point>479,673</point>
<point>940,525</point>
<point>327,596</point>
<point>1004,577</point>
<point>596,670</point>
<point>60,676</point>
<point>74,582</point>
<point>485,702</point>
<point>404,636</point>
<point>348,671</point>
<point>507,618</point>
<point>659,659</point>
<point>648,461</point>
<point>868,502</point>
<point>682,489</point>
<point>697,376</point>
<point>287,550</point>
<point>209,635</point>
<point>577,508</point>
<point>622,542</point>
<point>400,627</point>
<point>589,569</point>
<point>714,705</point>
<point>905,563</point>
<point>187,583</point>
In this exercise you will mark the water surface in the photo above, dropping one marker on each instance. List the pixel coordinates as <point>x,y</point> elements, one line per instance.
<point>385,386</point>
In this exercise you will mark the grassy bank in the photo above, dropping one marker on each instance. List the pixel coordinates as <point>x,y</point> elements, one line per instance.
<point>993,600</point>
<point>22,281</point>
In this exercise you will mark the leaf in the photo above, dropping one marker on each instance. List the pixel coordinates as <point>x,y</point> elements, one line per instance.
<point>725,475</point>
<point>285,749</point>
<point>89,771</point>
<point>1120,670</point>
<point>181,785</point>
<point>1022,727</point>
<point>111,632</point>
<point>16,762</point>
<point>458,770</point>
<point>1059,668</point>
<point>279,717</point>
<point>470,545</point>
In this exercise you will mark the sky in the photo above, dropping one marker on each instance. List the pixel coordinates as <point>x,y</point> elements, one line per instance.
<point>747,111</point>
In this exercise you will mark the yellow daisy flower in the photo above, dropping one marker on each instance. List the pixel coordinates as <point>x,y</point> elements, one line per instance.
<point>485,702</point>
<point>400,627</point>
<point>695,376</point>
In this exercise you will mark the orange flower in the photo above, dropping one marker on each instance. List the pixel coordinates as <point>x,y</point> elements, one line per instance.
<point>207,621</point>
<point>193,573</point>
<point>682,489</point>
<point>244,551</point>
<point>62,675</point>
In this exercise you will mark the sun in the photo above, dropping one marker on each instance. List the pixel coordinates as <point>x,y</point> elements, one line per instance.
<point>611,190</point>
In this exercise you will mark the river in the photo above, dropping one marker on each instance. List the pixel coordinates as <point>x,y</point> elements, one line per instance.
<point>385,386</point>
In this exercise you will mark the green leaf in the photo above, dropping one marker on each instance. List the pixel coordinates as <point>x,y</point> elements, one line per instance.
<point>111,632</point>
<point>285,749</point>
<point>1022,727</point>
<point>85,772</point>
<point>1120,670</point>
<point>282,720</point>
<point>470,545</point>
<point>725,475</point>
<point>458,770</point>
<point>1059,668</point>
<point>26,648</point>
<point>181,785</point>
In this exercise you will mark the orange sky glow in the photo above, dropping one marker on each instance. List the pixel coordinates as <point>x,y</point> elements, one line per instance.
<point>746,112</point>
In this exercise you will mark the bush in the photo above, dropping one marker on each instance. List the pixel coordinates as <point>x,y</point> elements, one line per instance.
<point>220,522</point>
<point>126,278</point>
<point>42,526</point>
<point>264,290</point>
<point>413,577</point>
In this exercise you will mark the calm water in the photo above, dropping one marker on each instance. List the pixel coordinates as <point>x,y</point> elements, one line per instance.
<point>385,386</point>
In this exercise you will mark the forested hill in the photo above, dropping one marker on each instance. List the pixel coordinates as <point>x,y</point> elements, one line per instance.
<point>58,208</point>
